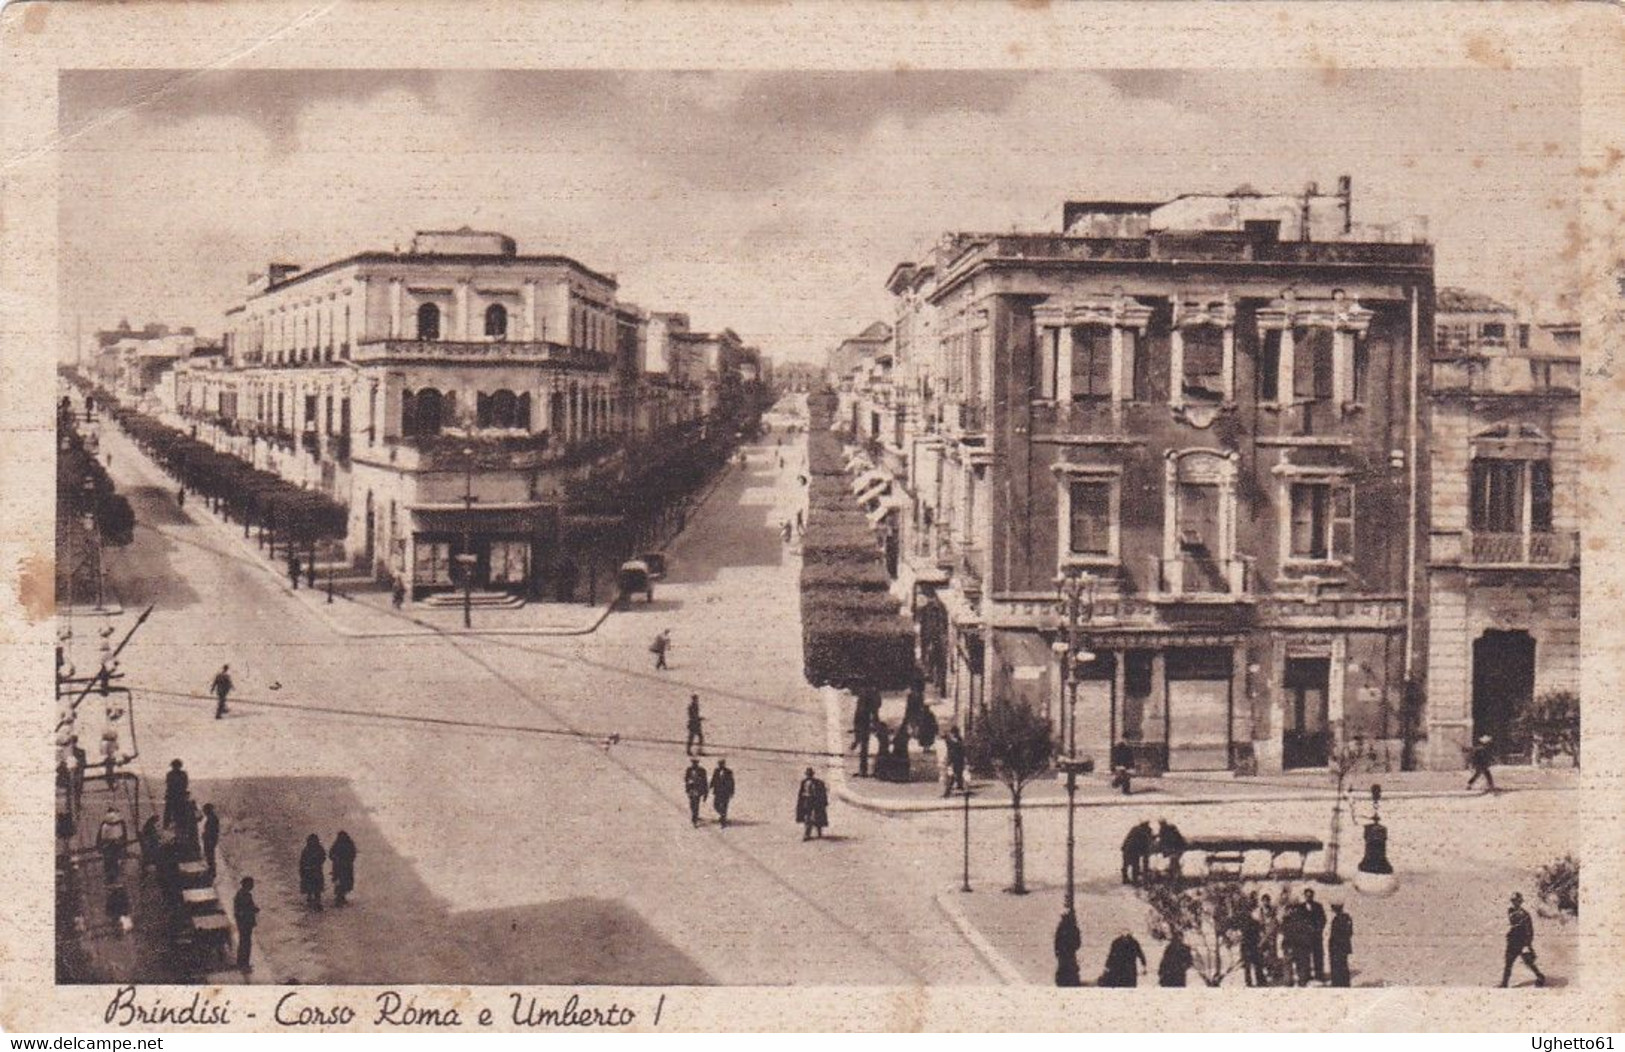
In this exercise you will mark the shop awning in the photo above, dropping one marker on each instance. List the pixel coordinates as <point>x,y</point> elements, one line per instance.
<point>885,507</point>
<point>869,478</point>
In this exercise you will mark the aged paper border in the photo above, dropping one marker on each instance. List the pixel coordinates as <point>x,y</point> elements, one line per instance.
<point>39,39</point>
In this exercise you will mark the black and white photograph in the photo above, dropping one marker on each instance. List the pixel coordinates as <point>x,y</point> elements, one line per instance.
<point>660,526</point>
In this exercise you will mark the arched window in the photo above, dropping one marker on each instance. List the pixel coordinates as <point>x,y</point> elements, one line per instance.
<point>501,409</point>
<point>496,321</point>
<point>428,322</point>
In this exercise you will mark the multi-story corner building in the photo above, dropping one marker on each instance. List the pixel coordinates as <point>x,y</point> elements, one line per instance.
<point>1504,568</point>
<point>444,393</point>
<point>1214,408</point>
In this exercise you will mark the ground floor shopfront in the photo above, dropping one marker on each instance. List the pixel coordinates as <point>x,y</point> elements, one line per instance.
<point>1209,698</point>
<point>488,549</point>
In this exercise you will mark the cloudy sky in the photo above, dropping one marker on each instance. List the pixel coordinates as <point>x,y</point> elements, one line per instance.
<point>773,203</point>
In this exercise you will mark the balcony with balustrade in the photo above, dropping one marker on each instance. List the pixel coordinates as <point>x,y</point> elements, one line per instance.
<point>1197,577</point>
<point>517,352</point>
<point>1528,550</point>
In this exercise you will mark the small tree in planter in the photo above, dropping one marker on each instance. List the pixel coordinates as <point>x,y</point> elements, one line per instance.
<point>1348,757</point>
<point>1015,743</point>
<point>1553,725</point>
<point>1559,887</point>
<point>1209,916</point>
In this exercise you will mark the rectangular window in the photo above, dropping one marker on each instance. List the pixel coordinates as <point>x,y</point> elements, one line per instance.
<point>1362,367</point>
<point>1540,495</point>
<point>1497,496</point>
<point>1091,362</point>
<point>1311,505</point>
<point>1204,362</point>
<point>1493,333</point>
<point>1312,364</point>
<point>1523,337</point>
<point>1091,515</point>
<point>1269,367</point>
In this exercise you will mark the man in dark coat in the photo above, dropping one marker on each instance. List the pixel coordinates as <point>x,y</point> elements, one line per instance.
<point>1480,758</point>
<point>1125,961</point>
<point>1177,961</point>
<point>696,727</point>
<point>1136,850</point>
<point>1340,944</point>
<point>955,744</point>
<point>312,860</point>
<point>660,646</point>
<point>1171,843</point>
<point>175,792</point>
<point>222,687</point>
<point>246,913</point>
<point>1317,923</point>
<point>211,836</point>
<point>1252,948</point>
<point>293,571</point>
<point>342,856</point>
<point>1122,758</point>
<point>812,805</point>
<point>696,785</point>
<point>722,790</point>
<point>1520,941</point>
<point>1068,940</point>
<point>1296,935</point>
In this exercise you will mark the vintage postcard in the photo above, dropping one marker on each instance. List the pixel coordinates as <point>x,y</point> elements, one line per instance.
<point>811,516</point>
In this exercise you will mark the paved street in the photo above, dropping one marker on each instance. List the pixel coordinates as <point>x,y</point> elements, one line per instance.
<point>500,839</point>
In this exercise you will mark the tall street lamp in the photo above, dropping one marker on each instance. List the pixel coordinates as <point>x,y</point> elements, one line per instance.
<point>1074,589</point>
<point>466,558</point>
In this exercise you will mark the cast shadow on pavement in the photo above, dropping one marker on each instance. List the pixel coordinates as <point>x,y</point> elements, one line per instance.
<point>395,929</point>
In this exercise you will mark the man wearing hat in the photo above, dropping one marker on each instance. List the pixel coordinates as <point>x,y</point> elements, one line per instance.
<point>1481,765</point>
<point>696,785</point>
<point>1520,941</point>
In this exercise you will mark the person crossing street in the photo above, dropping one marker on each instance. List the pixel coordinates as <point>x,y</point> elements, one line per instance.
<point>222,689</point>
<point>696,728</point>
<point>696,785</point>
<point>1520,941</point>
<point>722,790</point>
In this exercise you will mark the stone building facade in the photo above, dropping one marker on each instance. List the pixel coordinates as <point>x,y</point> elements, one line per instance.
<point>1504,564</point>
<point>1214,408</point>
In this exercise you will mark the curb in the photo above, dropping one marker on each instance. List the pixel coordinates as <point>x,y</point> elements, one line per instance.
<point>1001,965</point>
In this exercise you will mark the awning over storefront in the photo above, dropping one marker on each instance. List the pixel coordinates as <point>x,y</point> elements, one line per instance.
<point>885,507</point>
<point>869,480</point>
<point>515,518</point>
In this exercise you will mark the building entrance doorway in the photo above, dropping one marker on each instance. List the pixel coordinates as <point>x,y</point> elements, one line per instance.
<point>1503,688</point>
<point>1305,737</point>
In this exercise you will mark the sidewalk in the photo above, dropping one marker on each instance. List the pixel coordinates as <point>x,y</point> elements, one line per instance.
<point>1193,787</point>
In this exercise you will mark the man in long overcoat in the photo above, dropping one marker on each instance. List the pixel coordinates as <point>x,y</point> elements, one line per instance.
<point>722,790</point>
<point>1317,923</point>
<point>1124,962</point>
<point>176,784</point>
<point>812,805</point>
<point>1340,944</point>
<point>696,785</point>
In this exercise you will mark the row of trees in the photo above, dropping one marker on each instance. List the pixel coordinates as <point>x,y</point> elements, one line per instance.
<point>243,493</point>
<point>853,634</point>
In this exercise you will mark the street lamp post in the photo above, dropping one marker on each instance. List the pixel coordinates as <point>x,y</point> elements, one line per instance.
<point>466,557</point>
<point>967,792</point>
<point>1071,588</point>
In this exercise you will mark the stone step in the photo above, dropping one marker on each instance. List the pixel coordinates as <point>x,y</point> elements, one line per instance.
<point>483,600</point>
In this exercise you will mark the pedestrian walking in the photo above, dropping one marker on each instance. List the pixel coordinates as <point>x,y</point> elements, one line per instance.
<point>1340,944</point>
<point>222,689</point>
<point>863,719</point>
<point>722,791</point>
<point>696,728</point>
<point>211,836</point>
<point>1068,940</point>
<point>176,783</point>
<point>1125,962</point>
<point>1317,923</point>
<point>246,913</point>
<point>180,496</point>
<point>1122,761</point>
<point>696,785</point>
<point>1520,941</point>
<point>1176,963</point>
<point>293,571</point>
<point>799,522</point>
<point>342,856</point>
<point>1481,757</point>
<point>311,861</point>
<point>397,594</point>
<point>812,805</point>
<point>111,838</point>
<point>661,644</point>
<point>955,743</point>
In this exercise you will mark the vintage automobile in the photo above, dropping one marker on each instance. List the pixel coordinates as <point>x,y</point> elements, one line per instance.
<point>633,577</point>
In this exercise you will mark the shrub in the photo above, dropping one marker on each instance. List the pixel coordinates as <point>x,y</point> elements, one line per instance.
<point>1209,917</point>
<point>1559,886</point>
<point>1552,724</point>
<point>867,576</point>
<point>1015,743</point>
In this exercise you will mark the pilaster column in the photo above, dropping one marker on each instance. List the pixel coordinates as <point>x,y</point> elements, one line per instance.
<point>1286,383</point>
<point>527,312</point>
<point>461,299</point>
<point>394,308</point>
<point>1063,366</point>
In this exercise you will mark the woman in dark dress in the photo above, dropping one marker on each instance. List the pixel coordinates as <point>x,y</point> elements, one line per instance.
<point>342,855</point>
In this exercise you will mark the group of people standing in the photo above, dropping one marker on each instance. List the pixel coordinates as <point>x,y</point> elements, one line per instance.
<point>1142,842</point>
<point>1288,942</point>
<point>312,861</point>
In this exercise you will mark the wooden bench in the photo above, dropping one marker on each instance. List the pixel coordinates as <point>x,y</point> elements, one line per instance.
<point>201,900</point>
<point>1226,865</point>
<point>194,875</point>
<point>211,931</point>
<point>1227,855</point>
